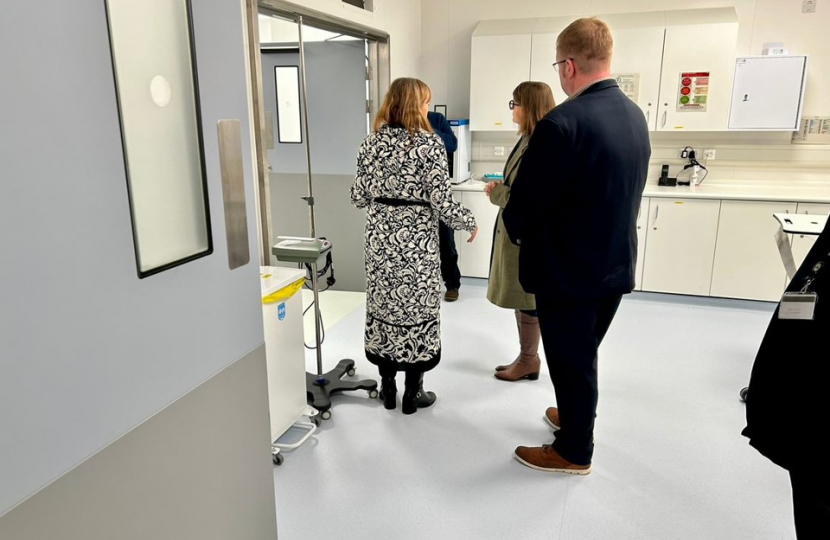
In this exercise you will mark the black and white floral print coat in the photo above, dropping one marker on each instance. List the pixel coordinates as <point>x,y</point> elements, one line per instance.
<point>403,183</point>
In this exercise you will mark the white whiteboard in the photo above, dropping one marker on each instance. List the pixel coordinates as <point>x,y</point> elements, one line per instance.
<point>768,92</point>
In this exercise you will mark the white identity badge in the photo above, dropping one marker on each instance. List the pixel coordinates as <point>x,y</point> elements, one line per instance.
<point>798,306</point>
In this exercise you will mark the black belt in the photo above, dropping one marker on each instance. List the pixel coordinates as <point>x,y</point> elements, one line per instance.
<point>399,202</point>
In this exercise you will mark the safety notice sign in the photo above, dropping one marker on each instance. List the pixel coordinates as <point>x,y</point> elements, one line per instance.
<point>693,92</point>
<point>629,84</point>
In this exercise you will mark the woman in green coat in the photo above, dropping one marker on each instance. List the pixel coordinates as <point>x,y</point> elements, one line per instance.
<point>531,102</point>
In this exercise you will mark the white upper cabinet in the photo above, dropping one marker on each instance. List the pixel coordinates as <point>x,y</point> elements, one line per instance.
<point>638,55</point>
<point>698,66</point>
<point>768,92</point>
<point>500,61</point>
<point>543,54</point>
<point>677,66</point>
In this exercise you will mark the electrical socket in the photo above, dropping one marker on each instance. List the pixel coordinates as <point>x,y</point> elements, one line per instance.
<point>498,150</point>
<point>808,6</point>
<point>708,153</point>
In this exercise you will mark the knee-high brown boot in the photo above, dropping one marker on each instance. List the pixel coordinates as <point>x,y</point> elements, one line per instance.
<point>528,364</point>
<point>519,328</point>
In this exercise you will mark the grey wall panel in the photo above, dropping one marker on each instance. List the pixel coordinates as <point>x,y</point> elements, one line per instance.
<point>199,469</point>
<point>337,111</point>
<point>87,350</point>
<point>336,218</point>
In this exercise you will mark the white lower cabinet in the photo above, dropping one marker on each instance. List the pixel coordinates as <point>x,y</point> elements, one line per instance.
<point>642,230</point>
<point>803,243</point>
<point>700,247</point>
<point>747,262</point>
<point>680,246</point>
<point>474,258</point>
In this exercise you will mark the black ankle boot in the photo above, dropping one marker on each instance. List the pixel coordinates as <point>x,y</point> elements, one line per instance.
<point>388,390</point>
<point>414,396</point>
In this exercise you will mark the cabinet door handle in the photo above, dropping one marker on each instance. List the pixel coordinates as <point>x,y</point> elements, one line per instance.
<point>648,116</point>
<point>656,215</point>
<point>665,114</point>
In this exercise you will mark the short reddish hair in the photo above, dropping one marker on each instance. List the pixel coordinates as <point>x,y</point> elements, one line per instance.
<point>589,42</point>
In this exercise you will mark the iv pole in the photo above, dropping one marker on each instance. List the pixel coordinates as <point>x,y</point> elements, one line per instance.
<point>320,387</point>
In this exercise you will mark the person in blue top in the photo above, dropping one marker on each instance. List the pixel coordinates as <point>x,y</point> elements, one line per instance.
<point>450,273</point>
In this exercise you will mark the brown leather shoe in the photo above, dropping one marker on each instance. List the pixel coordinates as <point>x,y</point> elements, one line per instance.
<point>545,458</point>
<point>552,418</point>
<point>451,295</point>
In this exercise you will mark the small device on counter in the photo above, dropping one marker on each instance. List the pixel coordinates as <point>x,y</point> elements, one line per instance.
<point>694,168</point>
<point>664,179</point>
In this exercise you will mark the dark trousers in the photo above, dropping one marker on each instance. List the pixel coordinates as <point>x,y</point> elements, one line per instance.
<point>449,257</point>
<point>571,333</point>
<point>811,504</point>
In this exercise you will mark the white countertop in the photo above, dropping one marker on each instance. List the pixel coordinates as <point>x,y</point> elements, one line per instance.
<point>470,185</point>
<point>805,193</point>
<point>743,192</point>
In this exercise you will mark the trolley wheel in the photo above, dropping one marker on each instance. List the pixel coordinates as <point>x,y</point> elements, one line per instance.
<point>373,393</point>
<point>315,420</point>
<point>277,459</point>
<point>744,391</point>
<point>325,415</point>
<point>350,372</point>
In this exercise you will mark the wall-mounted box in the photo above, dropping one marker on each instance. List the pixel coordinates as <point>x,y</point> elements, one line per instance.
<point>768,93</point>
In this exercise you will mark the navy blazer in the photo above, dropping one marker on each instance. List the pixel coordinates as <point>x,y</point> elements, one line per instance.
<point>573,207</point>
<point>443,129</point>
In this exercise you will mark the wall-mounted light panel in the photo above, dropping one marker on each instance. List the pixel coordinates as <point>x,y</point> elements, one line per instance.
<point>287,79</point>
<point>158,104</point>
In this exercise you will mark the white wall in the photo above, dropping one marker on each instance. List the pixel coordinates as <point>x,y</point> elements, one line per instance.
<point>445,65</point>
<point>401,19</point>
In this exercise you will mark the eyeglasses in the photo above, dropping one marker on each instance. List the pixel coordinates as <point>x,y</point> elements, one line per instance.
<point>556,64</point>
<point>513,104</point>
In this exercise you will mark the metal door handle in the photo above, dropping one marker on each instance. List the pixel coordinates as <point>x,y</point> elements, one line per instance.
<point>648,115</point>
<point>656,215</point>
<point>665,114</point>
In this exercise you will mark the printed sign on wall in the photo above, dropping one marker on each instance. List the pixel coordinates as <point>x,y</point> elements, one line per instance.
<point>693,92</point>
<point>629,84</point>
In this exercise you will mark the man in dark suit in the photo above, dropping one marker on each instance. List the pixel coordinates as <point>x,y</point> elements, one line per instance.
<point>787,404</point>
<point>450,272</point>
<point>572,211</point>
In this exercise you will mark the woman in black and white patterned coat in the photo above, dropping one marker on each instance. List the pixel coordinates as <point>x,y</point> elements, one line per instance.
<point>403,183</point>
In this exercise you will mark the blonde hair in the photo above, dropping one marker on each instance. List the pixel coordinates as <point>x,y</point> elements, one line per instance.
<point>402,106</point>
<point>588,41</point>
<point>536,100</point>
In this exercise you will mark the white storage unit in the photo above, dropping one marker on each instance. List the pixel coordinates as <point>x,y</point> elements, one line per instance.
<point>284,348</point>
<point>638,53</point>
<point>642,232</point>
<point>500,61</point>
<point>653,53</point>
<point>700,45</point>
<point>461,164</point>
<point>802,244</point>
<point>768,93</point>
<point>474,258</point>
<point>681,245</point>
<point>543,54</point>
<point>638,57</point>
<point>747,262</point>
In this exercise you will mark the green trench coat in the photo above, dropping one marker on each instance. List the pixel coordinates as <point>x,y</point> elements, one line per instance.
<point>503,288</point>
